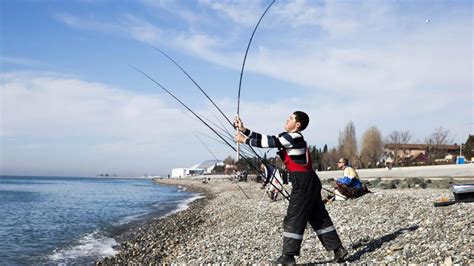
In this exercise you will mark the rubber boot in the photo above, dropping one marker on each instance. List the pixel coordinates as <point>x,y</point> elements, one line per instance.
<point>286,260</point>
<point>339,255</point>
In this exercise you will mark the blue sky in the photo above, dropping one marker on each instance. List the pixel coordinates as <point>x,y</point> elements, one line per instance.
<point>71,105</point>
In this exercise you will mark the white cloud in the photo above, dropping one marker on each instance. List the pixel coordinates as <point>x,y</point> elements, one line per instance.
<point>48,120</point>
<point>297,13</point>
<point>241,12</point>
<point>127,24</point>
<point>86,23</point>
<point>24,62</point>
<point>141,30</point>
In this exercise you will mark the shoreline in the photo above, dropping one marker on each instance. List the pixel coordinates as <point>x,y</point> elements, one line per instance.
<point>388,226</point>
<point>137,245</point>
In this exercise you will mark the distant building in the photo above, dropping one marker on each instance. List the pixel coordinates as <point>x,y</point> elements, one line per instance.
<point>205,167</point>
<point>420,154</point>
<point>178,172</point>
<point>208,165</point>
<point>184,172</point>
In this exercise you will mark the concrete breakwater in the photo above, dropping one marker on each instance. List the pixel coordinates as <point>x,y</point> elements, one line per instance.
<point>456,171</point>
<point>434,172</point>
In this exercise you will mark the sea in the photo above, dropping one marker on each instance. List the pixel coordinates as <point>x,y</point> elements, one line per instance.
<point>76,220</point>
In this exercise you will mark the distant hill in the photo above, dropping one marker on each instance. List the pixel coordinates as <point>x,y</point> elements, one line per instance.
<point>207,166</point>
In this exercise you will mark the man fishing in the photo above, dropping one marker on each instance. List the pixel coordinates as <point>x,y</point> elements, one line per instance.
<point>305,200</point>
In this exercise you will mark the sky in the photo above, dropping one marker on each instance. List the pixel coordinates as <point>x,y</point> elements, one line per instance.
<point>72,105</point>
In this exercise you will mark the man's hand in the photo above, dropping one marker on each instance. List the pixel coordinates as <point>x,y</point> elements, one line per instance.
<point>238,124</point>
<point>240,138</point>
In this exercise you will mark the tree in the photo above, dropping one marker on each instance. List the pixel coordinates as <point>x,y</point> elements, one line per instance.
<point>316,160</point>
<point>325,149</point>
<point>229,161</point>
<point>323,164</point>
<point>372,147</point>
<point>348,143</point>
<point>329,159</point>
<point>468,148</point>
<point>218,169</point>
<point>436,143</point>
<point>398,139</point>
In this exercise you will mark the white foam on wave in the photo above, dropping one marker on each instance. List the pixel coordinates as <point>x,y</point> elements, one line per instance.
<point>92,245</point>
<point>183,205</point>
<point>129,219</point>
<point>96,246</point>
<point>180,188</point>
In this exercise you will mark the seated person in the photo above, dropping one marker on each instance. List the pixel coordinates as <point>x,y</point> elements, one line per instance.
<point>348,186</point>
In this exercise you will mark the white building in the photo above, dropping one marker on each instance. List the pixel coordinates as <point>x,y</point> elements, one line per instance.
<point>184,172</point>
<point>178,172</point>
<point>205,167</point>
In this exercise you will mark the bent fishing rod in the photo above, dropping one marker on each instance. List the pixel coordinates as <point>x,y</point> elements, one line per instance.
<point>200,119</point>
<point>243,66</point>
<point>245,56</point>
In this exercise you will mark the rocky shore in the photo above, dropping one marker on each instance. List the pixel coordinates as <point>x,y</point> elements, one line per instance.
<point>386,226</point>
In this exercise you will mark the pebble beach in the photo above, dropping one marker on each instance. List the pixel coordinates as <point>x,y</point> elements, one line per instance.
<point>224,226</point>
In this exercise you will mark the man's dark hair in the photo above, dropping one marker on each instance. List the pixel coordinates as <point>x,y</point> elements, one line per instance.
<point>303,118</point>
<point>345,160</point>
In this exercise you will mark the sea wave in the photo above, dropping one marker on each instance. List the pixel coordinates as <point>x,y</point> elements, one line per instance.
<point>91,247</point>
<point>184,204</point>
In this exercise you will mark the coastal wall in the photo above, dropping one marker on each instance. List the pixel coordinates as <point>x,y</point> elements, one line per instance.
<point>460,171</point>
<point>456,171</point>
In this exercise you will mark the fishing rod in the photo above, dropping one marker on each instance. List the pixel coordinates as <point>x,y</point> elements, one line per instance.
<point>229,137</point>
<point>200,119</point>
<point>198,86</point>
<point>333,192</point>
<point>224,130</point>
<point>245,57</point>
<point>195,83</point>
<point>243,66</point>
<point>222,124</point>
<point>230,178</point>
<point>246,153</point>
